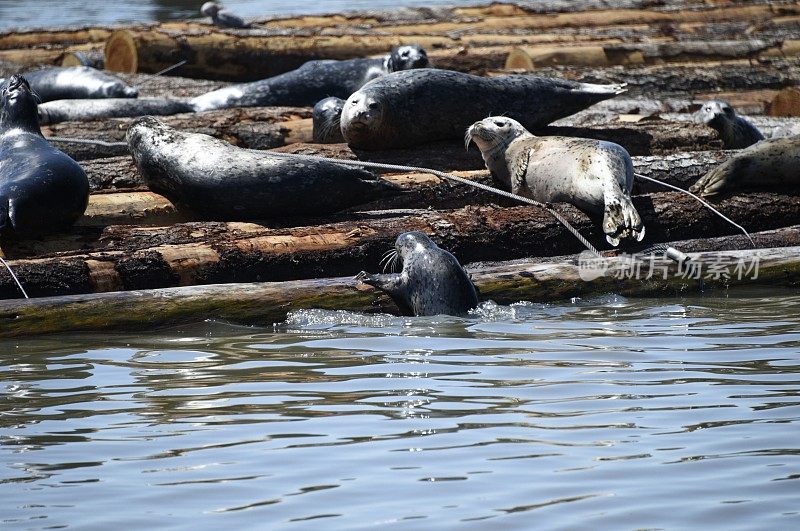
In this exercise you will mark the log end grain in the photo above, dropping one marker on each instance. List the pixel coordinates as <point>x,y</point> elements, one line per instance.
<point>121,53</point>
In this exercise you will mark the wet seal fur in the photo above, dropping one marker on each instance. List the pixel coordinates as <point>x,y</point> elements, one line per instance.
<point>735,131</point>
<point>432,281</point>
<point>57,111</point>
<point>218,181</point>
<point>76,82</point>
<point>413,107</point>
<point>42,189</point>
<point>774,162</point>
<point>593,175</point>
<point>312,82</point>
<point>326,118</point>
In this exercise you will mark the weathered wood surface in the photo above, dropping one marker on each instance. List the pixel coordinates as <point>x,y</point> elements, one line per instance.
<point>265,303</point>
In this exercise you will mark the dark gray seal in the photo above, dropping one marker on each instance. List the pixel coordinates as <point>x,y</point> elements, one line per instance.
<point>774,162</point>
<point>327,117</point>
<point>57,111</point>
<point>41,189</point>
<point>432,281</point>
<point>218,181</point>
<point>76,82</point>
<point>223,18</point>
<point>312,82</point>
<point>414,107</point>
<point>593,175</point>
<point>735,131</point>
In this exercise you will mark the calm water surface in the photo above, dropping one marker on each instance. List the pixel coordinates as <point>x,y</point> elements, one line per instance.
<point>607,413</point>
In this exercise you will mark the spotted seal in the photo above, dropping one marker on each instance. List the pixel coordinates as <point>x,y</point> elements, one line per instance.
<point>326,119</point>
<point>413,107</point>
<point>223,18</point>
<point>80,110</point>
<point>218,181</point>
<point>312,82</point>
<point>735,131</point>
<point>593,175</point>
<point>774,162</point>
<point>76,82</point>
<point>432,281</point>
<point>41,189</point>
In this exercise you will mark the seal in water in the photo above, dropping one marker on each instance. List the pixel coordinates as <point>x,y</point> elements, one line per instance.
<point>593,175</point>
<point>735,131</point>
<point>76,82</point>
<point>218,181</point>
<point>80,110</point>
<point>771,162</point>
<point>222,17</point>
<point>408,108</point>
<point>432,281</point>
<point>312,82</point>
<point>41,189</point>
<point>326,118</point>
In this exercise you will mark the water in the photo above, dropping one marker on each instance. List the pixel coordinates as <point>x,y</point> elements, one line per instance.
<point>46,13</point>
<point>604,413</point>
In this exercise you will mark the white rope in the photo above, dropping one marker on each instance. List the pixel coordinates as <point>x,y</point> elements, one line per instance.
<point>19,284</point>
<point>102,143</point>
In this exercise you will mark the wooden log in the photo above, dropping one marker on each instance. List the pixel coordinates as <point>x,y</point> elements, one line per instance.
<point>267,302</point>
<point>28,58</point>
<point>206,253</point>
<point>91,58</point>
<point>26,39</point>
<point>785,103</point>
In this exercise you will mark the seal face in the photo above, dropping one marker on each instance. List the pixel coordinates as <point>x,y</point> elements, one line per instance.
<point>770,163</point>
<point>432,281</point>
<point>412,107</point>
<point>735,131</point>
<point>78,110</point>
<point>326,119</point>
<point>218,181</point>
<point>77,82</point>
<point>593,175</point>
<point>41,189</point>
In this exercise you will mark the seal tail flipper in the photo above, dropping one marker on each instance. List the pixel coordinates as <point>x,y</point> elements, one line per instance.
<point>621,220</point>
<point>613,89</point>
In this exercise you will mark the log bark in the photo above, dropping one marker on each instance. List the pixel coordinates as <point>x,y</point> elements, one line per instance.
<point>271,301</point>
<point>206,253</point>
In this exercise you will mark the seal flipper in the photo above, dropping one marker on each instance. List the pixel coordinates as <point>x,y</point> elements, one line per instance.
<point>621,220</point>
<point>392,284</point>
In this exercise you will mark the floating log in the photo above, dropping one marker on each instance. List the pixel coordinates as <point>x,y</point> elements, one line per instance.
<point>269,302</point>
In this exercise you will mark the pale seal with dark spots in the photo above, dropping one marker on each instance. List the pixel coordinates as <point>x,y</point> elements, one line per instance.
<point>76,82</point>
<point>593,175</point>
<point>735,131</point>
<point>432,281</point>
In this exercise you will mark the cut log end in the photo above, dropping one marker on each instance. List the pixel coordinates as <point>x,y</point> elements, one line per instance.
<point>121,53</point>
<point>518,59</point>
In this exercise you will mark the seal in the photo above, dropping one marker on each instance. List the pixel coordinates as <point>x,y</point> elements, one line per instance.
<point>218,181</point>
<point>413,107</point>
<point>222,17</point>
<point>42,190</point>
<point>432,281</point>
<point>594,175</point>
<point>77,82</point>
<point>80,110</point>
<point>312,82</point>
<point>770,163</point>
<point>326,119</point>
<point>735,131</point>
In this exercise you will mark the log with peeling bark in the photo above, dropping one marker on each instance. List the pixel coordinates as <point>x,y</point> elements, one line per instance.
<point>504,283</point>
<point>128,257</point>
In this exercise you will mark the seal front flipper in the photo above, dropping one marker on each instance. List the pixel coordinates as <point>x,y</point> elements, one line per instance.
<point>392,284</point>
<point>620,219</point>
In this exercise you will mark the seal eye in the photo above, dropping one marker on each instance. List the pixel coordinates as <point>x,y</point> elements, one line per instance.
<point>499,123</point>
<point>373,105</point>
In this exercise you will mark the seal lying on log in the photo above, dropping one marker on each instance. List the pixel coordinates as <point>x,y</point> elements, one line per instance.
<point>432,281</point>
<point>221,17</point>
<point>312,82</point>
<point>735,131</point>
<point>218,181</point>
<point>76,82</point>
<point>593,175</point>
<point>81,110</point>
<point>41,189</point>
<point>413,107</point>
<point>326,119</point>
<point>774,162</point>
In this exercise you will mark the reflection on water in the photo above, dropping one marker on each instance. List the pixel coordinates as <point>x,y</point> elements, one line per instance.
<point>607,413</point>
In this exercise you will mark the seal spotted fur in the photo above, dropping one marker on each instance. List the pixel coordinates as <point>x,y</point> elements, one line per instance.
<point>76,82</point>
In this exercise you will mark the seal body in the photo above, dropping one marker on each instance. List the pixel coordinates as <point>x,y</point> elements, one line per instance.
<point>594,175</point>
<point>432,281</point>
<point>311,82</point>
<point>218,181</point>
<point>79,110</point>
<point>413,107</point>
<point>774,162</point>
<point>327,117</point>
<point>41,189</point>
<point>736,132</point>
<point>222,17</point>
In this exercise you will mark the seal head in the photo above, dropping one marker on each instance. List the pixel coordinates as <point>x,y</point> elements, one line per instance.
<point>735,131</point>
<point>406,57</point>
<point>327,121</point>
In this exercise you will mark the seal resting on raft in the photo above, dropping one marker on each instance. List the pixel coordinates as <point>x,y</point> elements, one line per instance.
<point>312,82</point>
<point>735,131</point>
<point>413,107</point>
<point>326,119</point>
<point>41,189</point>
<point>593,175</point>
<point>774,162</point>
<point>76,82</point>
<point>218,181</point>
<point>432,281</point>
<point>57,111</point>
<point>223,18</point>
